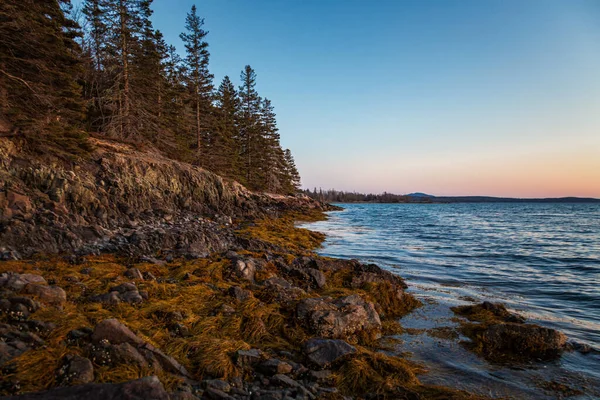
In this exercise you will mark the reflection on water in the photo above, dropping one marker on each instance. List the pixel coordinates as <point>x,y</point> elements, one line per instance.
<point>543,260</point>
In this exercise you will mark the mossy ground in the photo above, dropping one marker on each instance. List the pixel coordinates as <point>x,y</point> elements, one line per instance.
<point>197,290</point>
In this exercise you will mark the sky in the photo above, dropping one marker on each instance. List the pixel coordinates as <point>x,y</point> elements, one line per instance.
<point>447,97</point>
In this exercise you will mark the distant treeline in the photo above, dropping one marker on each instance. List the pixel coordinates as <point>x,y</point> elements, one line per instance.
<point>103,68</point>
<point>337,196</point>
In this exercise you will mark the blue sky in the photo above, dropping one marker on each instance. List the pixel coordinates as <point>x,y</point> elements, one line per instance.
<point>496,97</point>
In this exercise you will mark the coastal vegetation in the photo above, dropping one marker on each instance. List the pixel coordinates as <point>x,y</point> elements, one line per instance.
<point>103,70</point>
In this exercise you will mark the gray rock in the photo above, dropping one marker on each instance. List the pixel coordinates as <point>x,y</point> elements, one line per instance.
<point>244,269</point>
<point>248,358</point>
<point>324,352</point>
<point>216,394</point>
<point>338,318</point>
<point>217,384</point>
<point>114,332</point>
<point>76,370</point>
<point>47,294</point>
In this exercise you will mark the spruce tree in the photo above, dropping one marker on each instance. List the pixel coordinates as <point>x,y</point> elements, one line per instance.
<point>199,79</point>
<point>292,171</point>
<point>250,108</point>
<point>226,145</point>
<point>39,68</point>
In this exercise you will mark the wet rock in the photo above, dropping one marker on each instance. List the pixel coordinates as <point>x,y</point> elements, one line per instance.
<point>17,282</point>
<point>134,273</point>
<point>76,370</point>
<point>141,389</point>
<point>47,294</point>
<point>522,340</point>
<point>115,332</point>
<point>488,311</point>
<point>338,318</point>
<point>324,352</point>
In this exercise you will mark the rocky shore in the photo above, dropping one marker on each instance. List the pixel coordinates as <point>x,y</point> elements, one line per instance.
<point>130,276</point>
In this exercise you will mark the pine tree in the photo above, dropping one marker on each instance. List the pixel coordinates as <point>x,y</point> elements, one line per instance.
<point>273,158</point>
<point>226,145</point>
<point>292,171</point>
<point>250,108</point>
<point>39,65</point>
<point>198,77</point>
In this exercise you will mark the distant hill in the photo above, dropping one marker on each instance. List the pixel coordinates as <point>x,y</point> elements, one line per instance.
<point>419,194</point>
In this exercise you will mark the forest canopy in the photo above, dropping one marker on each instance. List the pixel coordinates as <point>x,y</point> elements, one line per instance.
<point>103,69</point>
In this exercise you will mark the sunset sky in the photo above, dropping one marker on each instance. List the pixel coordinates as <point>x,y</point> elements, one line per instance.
<point>448,97</point>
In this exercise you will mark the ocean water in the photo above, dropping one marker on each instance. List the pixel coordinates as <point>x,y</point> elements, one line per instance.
<point>542,260</point>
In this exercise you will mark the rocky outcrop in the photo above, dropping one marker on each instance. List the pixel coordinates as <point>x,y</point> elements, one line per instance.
<point>499,334</point>
<point>338,318</point>
<point>120,199</point>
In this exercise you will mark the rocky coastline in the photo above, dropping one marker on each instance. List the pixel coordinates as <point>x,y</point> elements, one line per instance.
<point>131,276</point>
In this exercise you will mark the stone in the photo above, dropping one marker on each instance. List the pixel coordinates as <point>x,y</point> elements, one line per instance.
<point>114,332</point>
<point>324,352</point>
<point>285,381</point>
<point>244,269</point>
<point>141,389</point>
<point>274,366</point>
<point>124,288</point>
<point>134,273</point>
<point>248,358</point>
<point>322,376</point>
<point>217,384</point>
<point>76,370</point>
<point>239,294</point>
<point>111,298</point>
<point>216,394</point>
<point>522,340</point>
<point>47,294</point>
<point>17,282</point>
<point>338,318</point>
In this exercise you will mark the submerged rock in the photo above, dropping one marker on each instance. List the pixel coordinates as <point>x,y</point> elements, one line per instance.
<point>522,340</point>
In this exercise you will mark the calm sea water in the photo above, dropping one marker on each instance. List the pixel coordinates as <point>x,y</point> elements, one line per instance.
<point>542,260</point>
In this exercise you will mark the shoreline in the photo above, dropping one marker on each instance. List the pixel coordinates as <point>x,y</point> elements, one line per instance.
<point>435,328</point>
<point>263,294</point>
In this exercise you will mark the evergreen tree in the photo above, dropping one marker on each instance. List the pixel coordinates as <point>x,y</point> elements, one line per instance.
<point>198,77</point>
<point>250,108</point>
<point>39,66</point>
<point>226,146</point>
<point>292,171</point>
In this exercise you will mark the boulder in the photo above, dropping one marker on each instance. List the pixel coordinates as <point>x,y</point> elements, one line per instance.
<point>17,282</point>
<point>47,294</point>
<point>324,352</point>
<point>239,294</point>
<point>114,332</point>
<point>248,358</point>
<point>338,318</point>
<point>76,370</point>
<point>522,340</point>
<point>244,269</point>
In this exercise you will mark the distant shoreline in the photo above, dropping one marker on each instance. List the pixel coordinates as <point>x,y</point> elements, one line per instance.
<point>456,200</point>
